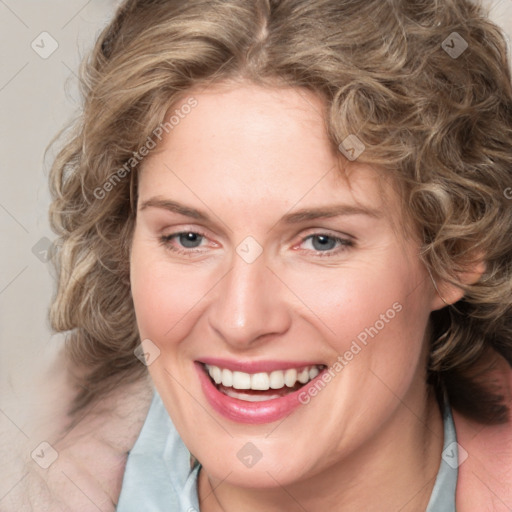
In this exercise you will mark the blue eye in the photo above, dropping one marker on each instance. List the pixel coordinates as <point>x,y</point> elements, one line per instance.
<point>189,240</point>
<point>183,242</point>
<point>322,243</point>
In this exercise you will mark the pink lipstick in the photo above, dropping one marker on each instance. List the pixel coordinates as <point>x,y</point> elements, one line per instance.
<point>255,392</point>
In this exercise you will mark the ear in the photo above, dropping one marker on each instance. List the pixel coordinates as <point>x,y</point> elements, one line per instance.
<point>446,293</point>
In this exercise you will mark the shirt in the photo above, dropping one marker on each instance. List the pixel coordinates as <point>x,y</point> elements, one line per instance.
<point>159,478</point>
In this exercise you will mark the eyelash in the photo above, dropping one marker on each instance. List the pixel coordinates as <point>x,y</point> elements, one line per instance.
<point>165,240</point>
<point>344,244</point>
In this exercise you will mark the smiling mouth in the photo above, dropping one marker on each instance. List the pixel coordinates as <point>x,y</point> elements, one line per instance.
<point>261,386</point>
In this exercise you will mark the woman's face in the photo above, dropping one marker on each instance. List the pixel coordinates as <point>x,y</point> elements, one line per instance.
<point>257,259</point>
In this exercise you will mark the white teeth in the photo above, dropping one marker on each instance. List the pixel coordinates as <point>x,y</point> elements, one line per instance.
<point>277,379</point>
<point>303,376</point>
<point>262,381</point>
<point>249,398</point>
<point>227,378</point>
<point>290,377</point>
<point>241,380</point>
<point>216,374</point>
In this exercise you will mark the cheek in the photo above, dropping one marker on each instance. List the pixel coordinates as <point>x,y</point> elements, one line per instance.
<point>380,306</point>
<point>166,300</point>
<point>374,319</point>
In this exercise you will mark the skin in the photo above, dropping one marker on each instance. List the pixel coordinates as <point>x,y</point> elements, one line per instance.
<point>246,156</point>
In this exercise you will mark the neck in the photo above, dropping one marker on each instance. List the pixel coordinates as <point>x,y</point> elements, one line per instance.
<point>395,470</point>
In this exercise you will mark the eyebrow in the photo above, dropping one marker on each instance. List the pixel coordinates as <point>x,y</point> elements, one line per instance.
<point>326,212</point>
<point>175,207</point>
<point>295,217</point>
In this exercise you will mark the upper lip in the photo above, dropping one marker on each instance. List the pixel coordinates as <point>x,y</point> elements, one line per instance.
<point>256,366</point>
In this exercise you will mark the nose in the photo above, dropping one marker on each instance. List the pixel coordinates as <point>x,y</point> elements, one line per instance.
<point>248,305</point>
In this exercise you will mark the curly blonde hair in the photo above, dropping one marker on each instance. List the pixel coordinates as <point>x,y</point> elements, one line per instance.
<point>424,85</point>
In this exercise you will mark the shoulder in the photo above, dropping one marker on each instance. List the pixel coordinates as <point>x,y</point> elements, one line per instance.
<point>87,472</point>
<point>485,458</point>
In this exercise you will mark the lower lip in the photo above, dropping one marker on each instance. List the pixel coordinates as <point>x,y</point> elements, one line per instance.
<point>254,413</point>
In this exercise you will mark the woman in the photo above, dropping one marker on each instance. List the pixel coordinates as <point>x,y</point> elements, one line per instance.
<point>294,215</point>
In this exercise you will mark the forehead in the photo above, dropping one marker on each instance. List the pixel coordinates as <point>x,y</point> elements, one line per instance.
<point>257,144</point>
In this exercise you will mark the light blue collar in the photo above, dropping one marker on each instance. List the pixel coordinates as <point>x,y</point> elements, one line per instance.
<point>158,476</point>
<point>442,498</point>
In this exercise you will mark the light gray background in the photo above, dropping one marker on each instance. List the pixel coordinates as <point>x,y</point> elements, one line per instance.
<point>38,96</point>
